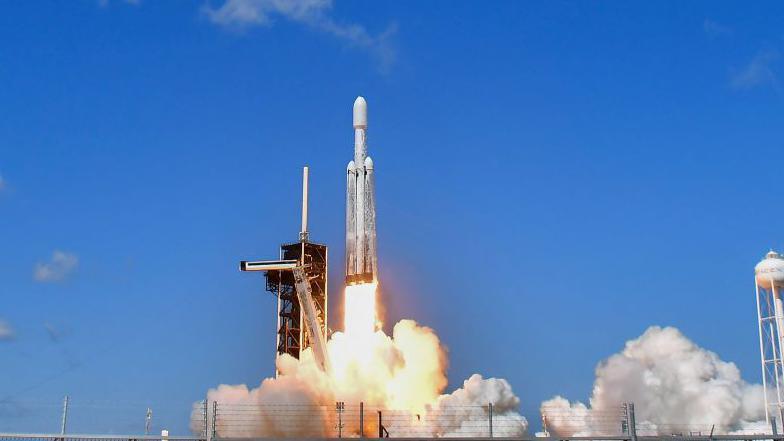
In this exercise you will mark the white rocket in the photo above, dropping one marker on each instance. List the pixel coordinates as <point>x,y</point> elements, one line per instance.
<point>361,258</point>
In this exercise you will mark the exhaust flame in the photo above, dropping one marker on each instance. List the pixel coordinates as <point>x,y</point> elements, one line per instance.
<point>404,373</point>
<point>360,309</point>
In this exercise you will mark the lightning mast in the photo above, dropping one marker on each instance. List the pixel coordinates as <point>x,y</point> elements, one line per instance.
<point>299,281</point>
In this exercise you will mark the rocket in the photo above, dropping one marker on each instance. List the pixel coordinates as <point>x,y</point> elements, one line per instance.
<point>361,261</point>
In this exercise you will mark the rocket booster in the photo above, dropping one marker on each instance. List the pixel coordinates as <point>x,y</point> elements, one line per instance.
<point>361,261</point>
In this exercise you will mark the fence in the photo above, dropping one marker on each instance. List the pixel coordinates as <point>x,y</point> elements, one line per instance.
<point>242,421</point>
<point>107,417</point>
<point>208,421</point>
<point>581,421</point>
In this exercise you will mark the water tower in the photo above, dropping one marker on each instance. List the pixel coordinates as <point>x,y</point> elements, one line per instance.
<point>769,283</point>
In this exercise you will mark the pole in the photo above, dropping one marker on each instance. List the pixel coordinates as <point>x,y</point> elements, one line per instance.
<point>65,415</point>
<point>361,419</point>
<point>632,423</point>
<point>339,407</point>
<point>147,421</point>
<point>215,417</point>
<point>206,420</point>
<point>781,416</point>
<point>624,422</point>
<point>303,234</point>
<point>382,431</point>
<point>490,417</point>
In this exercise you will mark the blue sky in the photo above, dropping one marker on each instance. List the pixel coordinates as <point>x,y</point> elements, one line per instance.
<point>552,178</point>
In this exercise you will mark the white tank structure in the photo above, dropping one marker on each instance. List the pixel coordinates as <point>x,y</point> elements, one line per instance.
<point>769,284</point>
<point>361,258</point>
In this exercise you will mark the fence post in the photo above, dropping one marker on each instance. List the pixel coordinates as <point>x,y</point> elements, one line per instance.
<point>339,407</point>
<point>382,431</point>
<point>148,421</point>
<point>490,419</point>
<point>205,408</point>
<point>65,415</point>
<point>781,416</point>
<point>361,419</point>
<point>773,427</point>
<point>215,418</point>
<point>632,422</point>
<point>624,419</point>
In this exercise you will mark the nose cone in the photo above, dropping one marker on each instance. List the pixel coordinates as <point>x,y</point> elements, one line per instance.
<point>360,112</point>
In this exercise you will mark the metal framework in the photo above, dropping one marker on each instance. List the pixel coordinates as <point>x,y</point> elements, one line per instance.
<point>292,336</point>
<point>310,261</point>
<point>771,325</point>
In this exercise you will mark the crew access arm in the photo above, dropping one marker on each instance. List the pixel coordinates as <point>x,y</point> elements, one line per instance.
<point>305,297</point>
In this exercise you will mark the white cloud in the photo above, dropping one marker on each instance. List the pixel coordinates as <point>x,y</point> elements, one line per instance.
<point>313,13</point>
<point>6,331</point>
<point>715,29</point>
<point>105,3</point>
<point>58,268</point>
<point>759,72</point>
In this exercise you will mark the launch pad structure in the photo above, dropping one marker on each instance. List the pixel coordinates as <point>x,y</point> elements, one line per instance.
<point>300,276</point>
<point>292,336</point>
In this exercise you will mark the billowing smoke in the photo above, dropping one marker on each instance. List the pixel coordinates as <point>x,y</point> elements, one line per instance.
<point>675,385</point>
<point>402,375</point>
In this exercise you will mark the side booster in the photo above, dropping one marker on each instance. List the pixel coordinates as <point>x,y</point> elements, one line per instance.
<point>361,261</point>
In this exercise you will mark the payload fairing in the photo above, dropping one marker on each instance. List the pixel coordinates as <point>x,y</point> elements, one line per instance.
<point>361,258</point>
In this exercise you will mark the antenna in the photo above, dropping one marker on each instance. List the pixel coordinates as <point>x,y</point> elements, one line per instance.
<point>303,234</point>
<point>65,415</point>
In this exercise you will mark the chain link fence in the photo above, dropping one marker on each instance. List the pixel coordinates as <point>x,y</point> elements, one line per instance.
<point>581,421</point>
<point>208,421</point>
<point>95,416</point>
<point>242,421</point>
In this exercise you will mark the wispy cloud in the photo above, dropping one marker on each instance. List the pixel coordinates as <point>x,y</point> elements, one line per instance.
<point>758,72</point>
<point>105,3</point>
<point>6,331</point>
<point>58,268</point>
<point>55,334</point>
<point>714,29</point>
<point>240,14</point>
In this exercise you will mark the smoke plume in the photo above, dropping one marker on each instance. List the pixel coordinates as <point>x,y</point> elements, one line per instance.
<point>675,385</point>
<point>403,375</point>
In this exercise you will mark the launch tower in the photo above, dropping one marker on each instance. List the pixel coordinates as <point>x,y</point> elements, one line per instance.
<point>769,283</point>
<point>293,336</point>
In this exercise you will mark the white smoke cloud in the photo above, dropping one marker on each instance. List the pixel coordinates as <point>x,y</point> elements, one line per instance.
<point>312,13</point>
<point>469,409</point>
<point>675,385</point>
<point>58,268</point>
<point>402,375</point>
